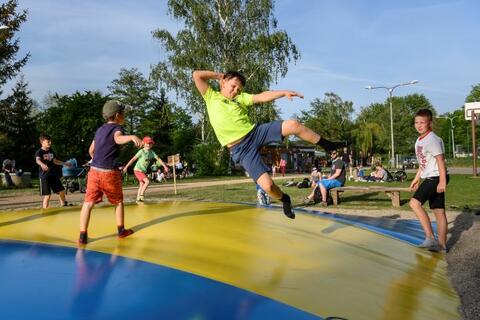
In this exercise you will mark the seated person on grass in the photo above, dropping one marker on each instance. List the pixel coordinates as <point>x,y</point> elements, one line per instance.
<point>335,179</point>
<point>379,175</point>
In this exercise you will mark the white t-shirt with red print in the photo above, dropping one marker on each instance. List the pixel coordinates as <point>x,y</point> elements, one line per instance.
<point>426,148</point>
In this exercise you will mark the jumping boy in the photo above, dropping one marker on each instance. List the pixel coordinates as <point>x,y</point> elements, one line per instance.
<point>430,152</point>
<point>228,115</point>
<point>144,157</point>
<point>49,179</point>
<point>104,176</point>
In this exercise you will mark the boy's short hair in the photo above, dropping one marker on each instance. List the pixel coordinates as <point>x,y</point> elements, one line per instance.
<point>44,136</point>
<point>235,74</point>
<point>427,113</point>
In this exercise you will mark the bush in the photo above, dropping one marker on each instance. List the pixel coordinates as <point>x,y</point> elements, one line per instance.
<point>211,159</point>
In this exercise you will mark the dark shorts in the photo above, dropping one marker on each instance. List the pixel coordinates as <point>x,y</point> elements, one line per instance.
<point>427,191</point>
<point>247,153</point>
<point>49,184</point>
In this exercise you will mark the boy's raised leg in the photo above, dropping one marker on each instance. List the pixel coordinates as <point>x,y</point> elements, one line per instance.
<point>296,128</point>
<point>267,184</point>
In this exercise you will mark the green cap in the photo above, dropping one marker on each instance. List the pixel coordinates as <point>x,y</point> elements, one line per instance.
<point>111,107</point>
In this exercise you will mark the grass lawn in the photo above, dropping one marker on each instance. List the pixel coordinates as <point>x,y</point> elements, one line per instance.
<point>462,191</point>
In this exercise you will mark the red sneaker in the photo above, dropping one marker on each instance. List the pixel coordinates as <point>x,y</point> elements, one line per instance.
<point>125,233</point>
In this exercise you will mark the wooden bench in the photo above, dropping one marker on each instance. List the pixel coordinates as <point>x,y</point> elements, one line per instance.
<point>392,192</point>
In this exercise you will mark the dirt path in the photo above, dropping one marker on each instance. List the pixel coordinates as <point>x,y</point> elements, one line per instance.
<point>33,200</point>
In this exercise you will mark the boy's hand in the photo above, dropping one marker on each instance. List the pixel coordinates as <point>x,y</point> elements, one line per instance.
<point>137,141</point>
<point>414,185</point>
<point>441,187</point>
<point>290,94</point>
<point>44,167</point>
<point>67,164</point>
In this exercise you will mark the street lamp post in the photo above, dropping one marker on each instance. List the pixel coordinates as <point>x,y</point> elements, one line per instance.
<point>451,130</point>
<point>390,92</point>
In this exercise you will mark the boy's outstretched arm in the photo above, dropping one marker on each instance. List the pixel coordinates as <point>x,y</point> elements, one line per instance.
<point>201,77</point>
<point>134,158</point>
<point>268,96</point>
<point>162,163</point>
<point>122,139</point>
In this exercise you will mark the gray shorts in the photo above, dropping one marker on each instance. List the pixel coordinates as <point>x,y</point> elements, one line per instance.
<point>247,153</point>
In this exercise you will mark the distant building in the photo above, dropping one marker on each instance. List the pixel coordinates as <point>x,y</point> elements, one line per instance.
<point>301,156</point>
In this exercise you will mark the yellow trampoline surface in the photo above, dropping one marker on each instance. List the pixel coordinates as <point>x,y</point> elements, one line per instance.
<point>204,260</point>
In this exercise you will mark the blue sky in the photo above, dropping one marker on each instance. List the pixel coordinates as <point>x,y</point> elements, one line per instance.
<point>345,46</point>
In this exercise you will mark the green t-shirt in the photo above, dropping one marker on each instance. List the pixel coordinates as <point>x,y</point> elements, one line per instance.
<point>145,158</point>
<point>229,118</point>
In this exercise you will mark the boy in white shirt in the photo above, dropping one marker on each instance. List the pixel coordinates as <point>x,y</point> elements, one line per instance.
<point>430,152</point>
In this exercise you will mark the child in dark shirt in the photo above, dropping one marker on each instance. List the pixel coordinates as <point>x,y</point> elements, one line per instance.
<point>49,180</point>
<point>104,176</point>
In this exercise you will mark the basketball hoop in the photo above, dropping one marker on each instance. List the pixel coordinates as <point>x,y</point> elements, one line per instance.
<point>470,108</point>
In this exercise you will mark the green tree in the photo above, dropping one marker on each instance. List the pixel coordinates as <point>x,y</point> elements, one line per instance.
<point>374,115</point>
<point>474,95</point>
<point>170,126</point>
<point>224,35</point>
<point>443,128</point>
<point>134,90</point>
<point>330,117</point>
<point>71,121</point>
<point>403,112</point>
<point>365,134</point>
<point>183,134</point>
<point>10,66</point>
<point>16,108</point>
<point>19,135</point>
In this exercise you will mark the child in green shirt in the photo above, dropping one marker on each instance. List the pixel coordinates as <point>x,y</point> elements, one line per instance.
<point>144,157</point>
<point>228,114</point>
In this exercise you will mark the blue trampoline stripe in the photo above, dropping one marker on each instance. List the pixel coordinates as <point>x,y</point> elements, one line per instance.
<point>64,283</point>
<point>409,231</point>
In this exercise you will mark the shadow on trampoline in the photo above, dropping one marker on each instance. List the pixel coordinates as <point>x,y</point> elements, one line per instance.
<point>41,215</point>
<point>158,220</point>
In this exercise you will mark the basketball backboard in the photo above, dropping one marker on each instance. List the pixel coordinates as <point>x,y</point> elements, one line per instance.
<point>472,107</point>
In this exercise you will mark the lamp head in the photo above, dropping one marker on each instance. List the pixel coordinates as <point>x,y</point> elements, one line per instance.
<point>413,81</point>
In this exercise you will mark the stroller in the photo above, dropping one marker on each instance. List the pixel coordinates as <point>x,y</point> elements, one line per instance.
<point>398,175</point>
<point>74,178</point>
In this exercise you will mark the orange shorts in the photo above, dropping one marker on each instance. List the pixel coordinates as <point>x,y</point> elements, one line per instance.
<point>108,183</point>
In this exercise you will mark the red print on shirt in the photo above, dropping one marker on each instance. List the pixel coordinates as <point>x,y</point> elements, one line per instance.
<point>422,159</point>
